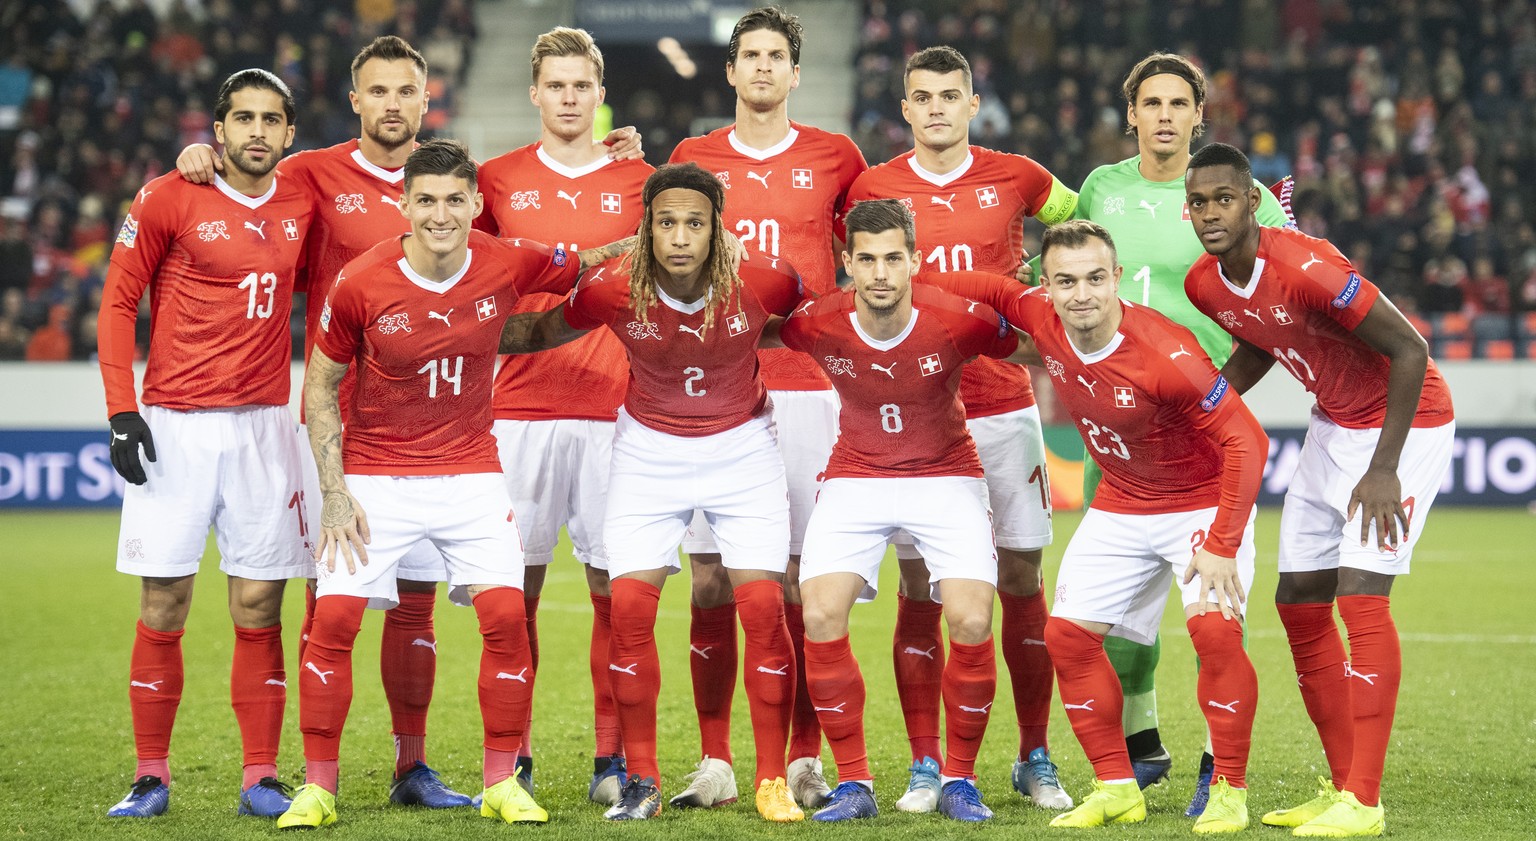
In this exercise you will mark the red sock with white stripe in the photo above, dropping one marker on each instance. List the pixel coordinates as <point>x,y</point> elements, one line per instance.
<point>970,685</point>
<point>1375,670</point>
<point>805,730</point>
<point>769,670</point>
<point>1090,692</point>
<point>917,649</point>
<point>408,670</point>
<point>837,691</point>
<point>258,689</point>
<point>1228,692</point>
<point>712,663</point>
<point>1029,666</point>
<point>325,684</point>
<point>506,678</point>
<point>605,719</point>
<point>634,670</point>
<point>155,678</point>
<point>1319,655</point>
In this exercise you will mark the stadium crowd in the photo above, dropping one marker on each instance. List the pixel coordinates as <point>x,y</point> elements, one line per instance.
<point>94,105</point>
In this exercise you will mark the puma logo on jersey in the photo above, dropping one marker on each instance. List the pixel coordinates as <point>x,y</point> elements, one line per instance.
<point>1180,352</point>
<point>322,675</point>
<point>1230,707</point>
<point>441,317</point>
<point>949,202</point>
<point>628,670</point>
<point>561,194</point>
<point>780,671</point>
<point>884,369</point>
<point>389,201</point>
<point>912,649</point>
<point>1150,208</point>
<point>1256,316</point>
<point>1088,385</point>
<point>432,644</point>
<point>519,677</point>
<point>152,686</point>
<point>698,332</point>
<point>1086,705</point>
<point>702,652</point>
<point>981,710</point>
<point>836,709</point>
<point>763,179</point>
<point>258,228</point>
<point>1308,264</point>
<point>972,308</point>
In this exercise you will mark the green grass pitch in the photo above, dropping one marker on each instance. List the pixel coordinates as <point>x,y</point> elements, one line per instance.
<point>1461,764</point>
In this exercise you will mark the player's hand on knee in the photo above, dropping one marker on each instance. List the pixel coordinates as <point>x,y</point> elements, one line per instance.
<point>1379,497</point>
<point>1219,582</point>
<point>129,432</point>
<point>624,143</point>
<point>197,163</point>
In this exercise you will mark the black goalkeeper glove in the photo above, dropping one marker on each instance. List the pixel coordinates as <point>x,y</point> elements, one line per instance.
<point>129,431</point>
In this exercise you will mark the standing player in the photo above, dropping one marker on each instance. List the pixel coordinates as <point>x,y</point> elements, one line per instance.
<point>555,411</point>
<point>903,461</point>
<point>220,259</point>
<point>787,182</point>
<point>694,435</point>
<point>1140,201</point>
<point>419,456</point>
<point>1379,443</point>
<point>970,203</point>
<point>1183,461</point>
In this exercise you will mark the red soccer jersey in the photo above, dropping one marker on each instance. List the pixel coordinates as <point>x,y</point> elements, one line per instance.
<point>426,352</point>
<point>220,270</point>
<point>1158,418</point>
<point>901,414</point>
<point>681,382</point>
<point>530,195</point>
<point>1301,306</point>
<point>971,219</point>
<point>784,201</point>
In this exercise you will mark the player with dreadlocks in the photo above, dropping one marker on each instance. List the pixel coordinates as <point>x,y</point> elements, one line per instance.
<point>694,435</point>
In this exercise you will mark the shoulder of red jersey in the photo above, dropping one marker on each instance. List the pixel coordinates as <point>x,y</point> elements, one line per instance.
<point>385,253</point>
<point>310,158</point>
<point>508,160</point>
<point>718,137</point>
<point>955,307</point>
<point>763,269</point>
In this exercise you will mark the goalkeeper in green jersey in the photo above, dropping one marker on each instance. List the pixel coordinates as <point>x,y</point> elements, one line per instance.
<point>1140,201</point>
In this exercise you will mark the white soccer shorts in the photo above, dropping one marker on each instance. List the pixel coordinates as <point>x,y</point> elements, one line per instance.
<point>946,516</point>
<point>467,518</point>
<point>658,481</point>
<point>557,475</point>
<point>806,425</point>
<point>1118,568</point>
<point>422,563</point>
<point>1315,534</point>
<point>236,470</point>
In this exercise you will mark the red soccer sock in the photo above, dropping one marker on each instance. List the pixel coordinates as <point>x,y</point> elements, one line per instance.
<point>970,684</point>
<point>258,689</point>
<point>1090,692</point>
<point>769,669</point>
<point>309,617</point>
<point>1375,670</point>
<point>634,670</point>
<point>531,610</point>
<point>837,691</point>
<point>712,662</point>
<point>325,684</point>
<point>506,676</point>
<point>1228,692</point>
<point>605,719</point>
<point>805,730</point>
<point>155,679</point>
<point>408,670</point>
<point>1319,655</point>
<point>1029,666</point>
<point>917,649</point>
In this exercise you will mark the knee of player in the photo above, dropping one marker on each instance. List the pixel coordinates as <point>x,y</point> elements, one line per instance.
<point>971,628</point>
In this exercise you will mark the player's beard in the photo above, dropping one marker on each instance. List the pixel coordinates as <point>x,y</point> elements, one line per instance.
<point>255,169</point>
<point>388,138</point>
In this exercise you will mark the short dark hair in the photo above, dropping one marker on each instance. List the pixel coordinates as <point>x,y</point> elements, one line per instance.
<point>1222,154</point>
<point>880,215</point>
<point>441,157</point>
<point>252,77</point>
<point>773,19</point>
<point>388,48</point>
<point>1159,63</point>
<point>1074,233</point>
<point>938,60</point>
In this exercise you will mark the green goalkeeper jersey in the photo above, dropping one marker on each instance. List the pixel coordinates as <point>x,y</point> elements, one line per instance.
<point>1156,243</point>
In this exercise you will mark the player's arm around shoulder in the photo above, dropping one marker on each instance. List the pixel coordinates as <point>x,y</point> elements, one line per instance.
<point>531,332</point>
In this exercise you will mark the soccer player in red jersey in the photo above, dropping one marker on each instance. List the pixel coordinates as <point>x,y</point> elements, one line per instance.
<point>786,182</point>
<point>420,316</point>
<point>970,204</point>
<point>1377,449</point>
<point>1182,459</point>
<point>903,461</point>
<point>694,435</point>
<point>218,261</point>
<point>555,411</point>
